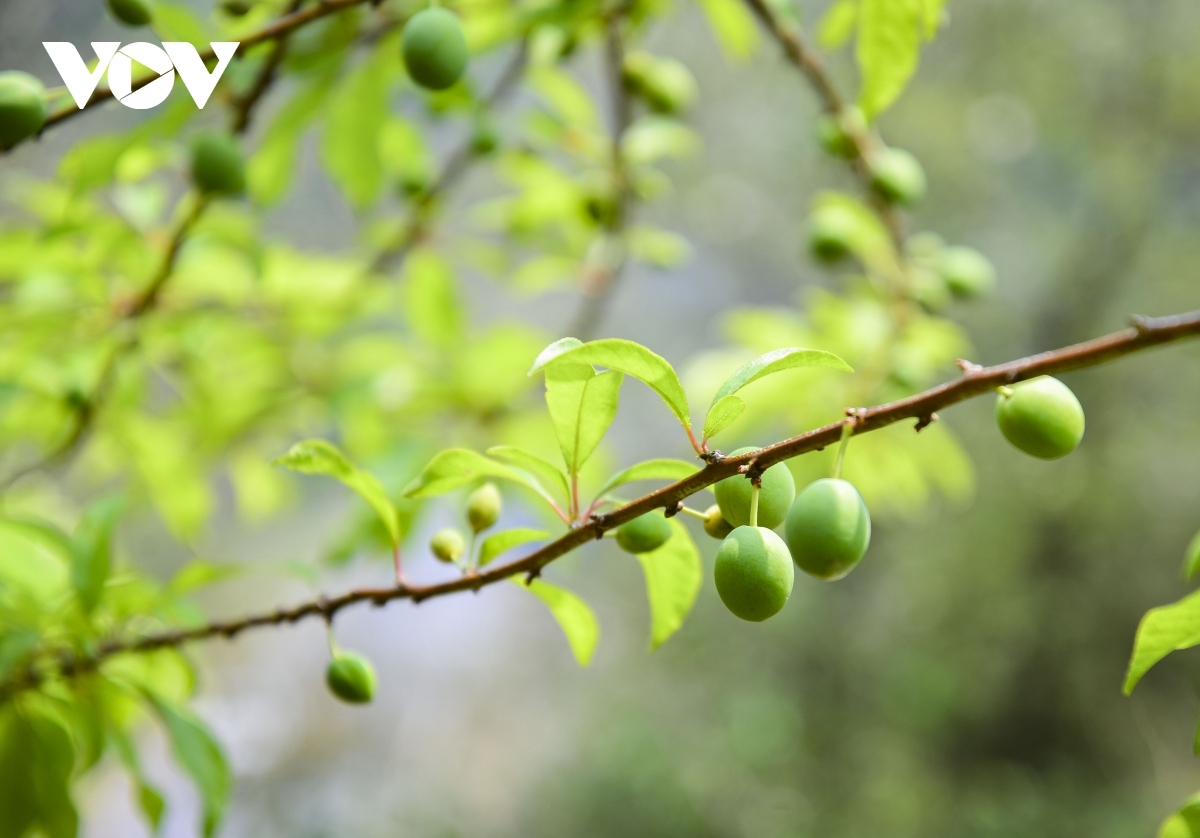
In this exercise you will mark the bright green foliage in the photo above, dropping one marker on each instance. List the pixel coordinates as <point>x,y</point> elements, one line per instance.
<point>828,529</point>
<point>351,678</point>
<point>754,573</point>
<point>715,524</point>
<point>723,413</point>
<point>483,507</point>
<point>890,33</point>
<point>897,176</point>
<point>836,132</point>
<point>447,545</point>
<point>91,551</point>
<point>1163,630</point>
<point>37,758</point>
<point>132,12</point>
<point>644,534</point>
<point>664,83</point>
<point>200,756</point>
<point>1191,558</point>
<point>22,108</point>
<point>1185,823</point>
<point>673,575</point>
<point>582,404</point>
<point>217,164</point>
<point>434,48</point>
<point>967,272</point>
<point>573,615</point>
<point>504,541</point>
<point>775,498</point>
<point>1041,417</point>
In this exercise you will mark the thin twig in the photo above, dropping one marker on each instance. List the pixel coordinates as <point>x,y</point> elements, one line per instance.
<point>975,381</point>
<point>243,106</point>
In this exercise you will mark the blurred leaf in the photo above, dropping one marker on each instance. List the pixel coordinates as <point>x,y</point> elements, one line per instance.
<point>582,405</point>
<point>733,26</point>
<point>429,298</point>
<point>457,467</point>
<point>270,170</point>
<point>574,617</point>
<point>1185,823</point>
<point>504,541</point>
<point>662,469</point>
<point>91,556</point>
<point>654,138</point>
<point>199,755</point>
<point>660,248</point>
<point>889,45</point>
<point>1163,630</point>
<point>316,456</point>
<point>673,575</point>
<point>150,801</point>
<point>1191,558</point>
<point>533,464</point>
<point>837,25</point>
<point>722,414</point>
<point>37,758</point>
<point>357,112</point>
<point>566,97</point>
<point>200,573</point>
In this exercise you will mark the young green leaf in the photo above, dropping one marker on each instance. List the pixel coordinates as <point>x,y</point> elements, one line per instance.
<point>733,26</point>
<point>1191,559</point>
<point>673,575</point>
<point>316,456</point>
<point>457,467</point>
<point>889,45</point>
<point>1185,823</point>
<point>91,552</point>
<point>533,464</point>
<point>504,541</point>
<point>837,24</point>
<point>37,758</point>
<point>582,404</point>
<point>1163,630</point>
<point>150,801</point>
<point>622,356</point>
<point>777,361</point>
<point>574,616</point>
<point>199,755</point>
<point>722,414</point>
<point>662,469</point>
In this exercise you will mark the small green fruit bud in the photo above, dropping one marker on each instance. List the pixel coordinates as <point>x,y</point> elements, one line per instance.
<point>434,48</point>
<point>754,573</point>
<point>828,529</point>
<point>483,507</point>
<point>351,678</point>
<point>832,232</point>
<point>836,133</point>
<point>485,138</point>
<point>645,534</point>
<point>236,8</point>
<point>217,165</point>
<point>1041,417</point>
<point>967,272</point>
<point>929,289</point>
<point>22,107</point>
<point>132,12</point>
<point>776,496</point>
<point>715,523</point>
<point>448,545</point>
<point>897,176</point>
<point>665,84</point>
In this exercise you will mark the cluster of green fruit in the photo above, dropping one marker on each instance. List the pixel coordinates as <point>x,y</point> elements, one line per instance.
<point>483,510</point>
<point>896,176</point>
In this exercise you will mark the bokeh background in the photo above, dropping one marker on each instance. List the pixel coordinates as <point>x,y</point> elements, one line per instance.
<point>965,681</point>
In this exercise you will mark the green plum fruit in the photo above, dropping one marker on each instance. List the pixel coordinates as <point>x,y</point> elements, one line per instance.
<point>434,48</point>
<point>217,164</point>
<point>828,528</point>
<point>1041,416</point>
<point>132,12</point>
<point>483,507</point>
<point>666,85</point>
<point>967,272</point>
<point>644,534</point>
<point>832,232</point>
<point>778,492</point>
<point>22,107</point>
<point>835,132</point>
<point>715,523</point>
<point>897,176</point>
<point>447,545</point>
<point>754,573</point>
<point>351,678</point>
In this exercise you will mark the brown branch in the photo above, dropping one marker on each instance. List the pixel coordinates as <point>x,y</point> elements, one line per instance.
<point>243,106</point>
<point>975,381</point>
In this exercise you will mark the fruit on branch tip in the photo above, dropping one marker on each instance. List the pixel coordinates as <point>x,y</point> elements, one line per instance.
<point>754,573</point>
<point>836,132</point>
<point>351,678</point>
<point>967,272</point>
<point>665,84</point>
<point>434,48</point>
<point>644,534</point>
<point>776,496</point>
<point>217,164</point>
<point>828,528</point>
<point>1041,417</point>
<point>483,507</point>
<point>897,176</point>
<point>22,107</point>
<point>832,232</point>
<point>132,12</point>
<point>715,523</point>
<point>447,545</point>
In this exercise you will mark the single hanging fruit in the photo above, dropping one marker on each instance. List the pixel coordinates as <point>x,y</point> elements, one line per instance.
<point>897,176</point>
<point>1041,416</point>
<point>828,528</point>
<point>483,507</point>
<point>351,678</point>
<point>22,107</point>
<point>644,534</point>
<point>217,165</point>
<point>832,232</point>
<point>132,12</point>
<point>447,545</point>
<point>776,496</point>
<point>754,573</point>
<point>967,272</point>
<point>434,49</point>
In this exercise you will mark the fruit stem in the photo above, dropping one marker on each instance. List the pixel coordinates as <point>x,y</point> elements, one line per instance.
<point>693,512</point>
<point>1007,392</point>
<point>334,649</point>
<point>396,565</point>
<point>754,490</point>
<point>847,430</point>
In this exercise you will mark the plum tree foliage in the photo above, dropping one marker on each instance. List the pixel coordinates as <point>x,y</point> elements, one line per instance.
<point>158,341</point>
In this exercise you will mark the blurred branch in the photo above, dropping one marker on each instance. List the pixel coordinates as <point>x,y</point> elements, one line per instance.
<point>974,381</point>
<point>243,106</point>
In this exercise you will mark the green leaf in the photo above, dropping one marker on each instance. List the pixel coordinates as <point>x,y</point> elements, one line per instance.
<point>357,112</point>
<point>91,553</point>
<point>889,45</point>
<point>1191,558</point>
<point>733,26</point>
<point>622,356</point>
<point>1163,630</point>
<point>722,414</point>
<point>1185,823</point>
<point>533,464</point>
<point>663,469</point>
<point>837,25</point>
<point>574,616</point>
<point>316,456</point>
<point>429,298</point>
<point>199,755</point>
<point>582,404</point>
<point>150,801</point>
<point>270,170</point>
<point>673,576</point>
<point>37,758</point>
<point>504,541</point>
<point>457,467</point>
<point>777,361</point>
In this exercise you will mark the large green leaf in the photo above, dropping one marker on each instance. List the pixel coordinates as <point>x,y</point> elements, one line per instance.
<point>91,553</point>
<point>37,758</point>
<point>673,576</point>
<point>574,616</point>
<point>199,755</point>
<point>777,361</point>
<point>889,45</point>
<point>662,469</point>
<point>623,356</point>
<point>582,404</point>
<point>505,540</point>
<point>1191,558</point>
<point>457,467</point>
<point>533,464</point>
<point>316,456</point>
<point>722,414</point>
<point>1163,630</point>
<point>357,112</point>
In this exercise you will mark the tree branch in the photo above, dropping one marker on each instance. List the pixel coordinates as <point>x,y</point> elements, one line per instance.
<point>243,106</point>
<point>975,380</point>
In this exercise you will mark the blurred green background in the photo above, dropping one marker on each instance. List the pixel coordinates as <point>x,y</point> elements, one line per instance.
<point>965,681</point>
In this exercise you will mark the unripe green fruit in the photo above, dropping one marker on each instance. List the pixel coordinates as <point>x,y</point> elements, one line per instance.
<point>715,523</point>
<point>1042,417</point>
<point>485,138</point>
<point>217,165</point>
<point>832,231</point>
<point>236,8</point>
<point>644,534</point>
<point>665,84</point>
<point>483,507</point>
<point>929,289</point>
<point>897,176</point>
<point>754,573</point>
<point>447,545</point>
<point>967,272</point>
<point>777,493</point>
<point>22,107</point>
<point>132,12</point>
<point>828,528</point>
<point>351,678</point>
<point>836,133</point>
<point>434,48</point>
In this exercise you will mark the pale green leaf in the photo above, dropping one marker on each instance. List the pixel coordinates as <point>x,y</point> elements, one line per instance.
<point>574,616</point>
<point>662,469</point>
<point>1191,558</point>
<point>357,112</point>
<point>889,45</point>
<point>504,541</point>
<point>733,26</point>
<point>932,16</point>
<point>457,467</point>
<point>582,405</point>
<point>316,456</point>
<point>777,361</point>
<point>1163,630</point>
<point>270,170</point>
<point>91,554</point>
<point>199,755</point>
<point>660,248</point>
<point>722,414</point>
<point>533,464</point>
<point>623,356</point>
<point>566,98</point>
<point>429,298</point>
<point>837,25</point>
<point>1185,823</point>
<point>37,758</point>
<point>673,576</point>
